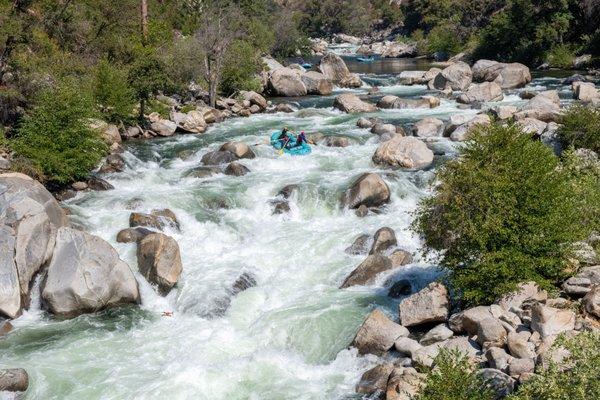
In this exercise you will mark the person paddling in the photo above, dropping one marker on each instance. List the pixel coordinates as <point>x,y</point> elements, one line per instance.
<point>283,137</point>
<point>300,139</point>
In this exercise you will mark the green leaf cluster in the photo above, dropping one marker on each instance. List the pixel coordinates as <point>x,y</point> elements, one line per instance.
<point>454,377</point>
<point>505,211</point>
<point>56,136</point>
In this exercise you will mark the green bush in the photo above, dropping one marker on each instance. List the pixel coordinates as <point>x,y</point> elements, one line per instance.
<point>56,138</point>
<point>580,127</point>
<point>112,93</point>
<point>504,212</point>
<point>561,56</point>
<point>580,381</point>
<point>241,69</point>
<point>454,377</point>
<point>443,38</point>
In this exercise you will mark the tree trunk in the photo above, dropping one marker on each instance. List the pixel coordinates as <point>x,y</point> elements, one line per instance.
<point>144,20</point>
<point>142,110</point>
<point>212,92</point>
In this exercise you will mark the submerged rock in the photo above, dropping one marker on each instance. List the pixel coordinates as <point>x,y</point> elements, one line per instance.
<point>367,271</point>
<point>360,245</point>
<point>218,158</point>
<point>236,169</point>
<point>86,275</point>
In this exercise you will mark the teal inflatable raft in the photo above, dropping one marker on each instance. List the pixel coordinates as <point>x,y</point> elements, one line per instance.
<point>295,151</point>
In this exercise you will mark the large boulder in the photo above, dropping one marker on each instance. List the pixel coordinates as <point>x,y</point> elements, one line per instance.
<point>549,321</point>
<point>439,333</point>
<point>159,261</point>
<point>457,76</point>
<point>482,92</point>
<point>389,49</point>
<point>15,380</point>
<point>369,190</point>
<point>464,131</point>
<point>86,275</point>
<point>404,384</point>
<point>163,127</point>
<point>526,292</point>
<point>287,82</point>
<point>238,149</point>
<point>411,77</point>
<point>218,158</point>
<point>351,103</point>
<point>498,381</point>
<point>404,152</point>
<point>334,68</point>
<point>491,333</point>
<point>585,92</point>
<point>508,76</point>
<point>254,99</point>
<point>192,122</point>
<point>377,334</point>
<point>431,304</point>
<point>375,379</point>
<point>157,219</point>
<point>582,283</point>
<point>391,101</point>
<point>383,240</point>
<point>29,219</point>
<point>513,75</point>
<point>468,320</point>
<point>367,271</point>
<point>591,301</point>
<point>545,106</point>
<point>519,345</point>
<point>428,127</point>
<point>317,83</point>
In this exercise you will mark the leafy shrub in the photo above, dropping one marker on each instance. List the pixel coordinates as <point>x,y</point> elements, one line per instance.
<point>581,127</point>
<point>112,93</point>
<point>56,136</point>
<point>443,38</point>
<point>503,213</point>
<point>156,106</point>
<point>241,69</point>
<point>561,56</point>
<point>579,381</point>
<point>454,377</point>
<point>147,76</point>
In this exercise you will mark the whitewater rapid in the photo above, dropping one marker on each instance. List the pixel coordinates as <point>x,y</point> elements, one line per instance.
<point>285,338</point>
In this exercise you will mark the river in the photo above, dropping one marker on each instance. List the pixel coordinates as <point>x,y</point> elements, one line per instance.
<point>285,338</point>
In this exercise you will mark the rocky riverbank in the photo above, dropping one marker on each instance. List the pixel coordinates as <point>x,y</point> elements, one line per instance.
<point>44,245</point>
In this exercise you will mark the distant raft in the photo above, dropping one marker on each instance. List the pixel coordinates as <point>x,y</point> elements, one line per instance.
<point>365,59</point>
<point>277,144</point>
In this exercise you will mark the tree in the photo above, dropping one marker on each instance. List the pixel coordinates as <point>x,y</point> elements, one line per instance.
<point>218,26</point>
<point>56,136</point>
<point>504,212</point>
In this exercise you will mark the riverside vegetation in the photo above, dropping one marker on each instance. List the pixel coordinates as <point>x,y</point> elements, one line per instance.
<point>509,209</point>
